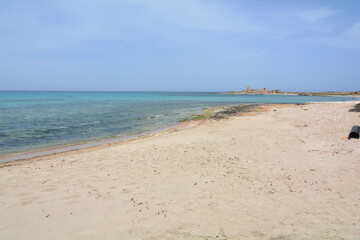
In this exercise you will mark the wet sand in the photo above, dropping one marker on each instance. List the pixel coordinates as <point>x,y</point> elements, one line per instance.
<point>285,173</point>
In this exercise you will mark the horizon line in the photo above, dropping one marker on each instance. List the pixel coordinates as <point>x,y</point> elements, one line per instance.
<point>153,91</point>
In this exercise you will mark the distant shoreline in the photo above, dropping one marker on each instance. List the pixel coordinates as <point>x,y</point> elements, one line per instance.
<point>325,94</point>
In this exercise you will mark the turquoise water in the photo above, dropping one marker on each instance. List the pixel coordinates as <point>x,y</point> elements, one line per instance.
<point>35,120</point>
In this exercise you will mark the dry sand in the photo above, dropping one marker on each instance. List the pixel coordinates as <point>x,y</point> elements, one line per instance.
<point>288,173</point>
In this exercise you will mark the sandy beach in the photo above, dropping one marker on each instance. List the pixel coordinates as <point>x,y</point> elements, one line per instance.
<point>288,172</point>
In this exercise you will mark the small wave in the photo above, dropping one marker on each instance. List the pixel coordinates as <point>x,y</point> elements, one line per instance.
<point>47,131</point>
<point>150,117</point>
<point>154,117</point>
<point>87,123</point>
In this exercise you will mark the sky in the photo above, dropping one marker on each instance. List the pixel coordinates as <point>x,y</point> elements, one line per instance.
<point>179,45</point>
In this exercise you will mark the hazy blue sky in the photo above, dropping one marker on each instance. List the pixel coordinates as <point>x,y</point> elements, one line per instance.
<point>179,45</point>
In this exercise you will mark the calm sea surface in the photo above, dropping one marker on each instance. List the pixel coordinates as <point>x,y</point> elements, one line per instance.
<point>36,120</point>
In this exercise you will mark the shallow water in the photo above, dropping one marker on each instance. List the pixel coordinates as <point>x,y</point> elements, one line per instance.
<point>36,120</point>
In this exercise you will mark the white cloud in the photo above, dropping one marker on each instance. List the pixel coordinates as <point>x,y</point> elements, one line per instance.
<point>353,31</point>
<point>64,22</point>
<point>314,15</point>
<point>192,14</point>
<point>350,38</point>
<point>201,15</point>
<point>59,23</point>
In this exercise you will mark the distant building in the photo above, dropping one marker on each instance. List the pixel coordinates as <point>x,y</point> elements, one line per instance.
<point>259,91</point>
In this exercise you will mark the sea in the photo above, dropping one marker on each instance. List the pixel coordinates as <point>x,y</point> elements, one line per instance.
<point>32,120</point>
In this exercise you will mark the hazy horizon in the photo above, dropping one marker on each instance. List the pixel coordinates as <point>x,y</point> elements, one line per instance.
<point>181,46</point>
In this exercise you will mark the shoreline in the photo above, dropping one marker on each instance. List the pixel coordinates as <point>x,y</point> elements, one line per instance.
<point>217,113</point>
<point>76,146</point>
<point>15,148</point>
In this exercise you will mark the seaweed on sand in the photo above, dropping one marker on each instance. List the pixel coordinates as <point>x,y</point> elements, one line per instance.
<point>223,112</point>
